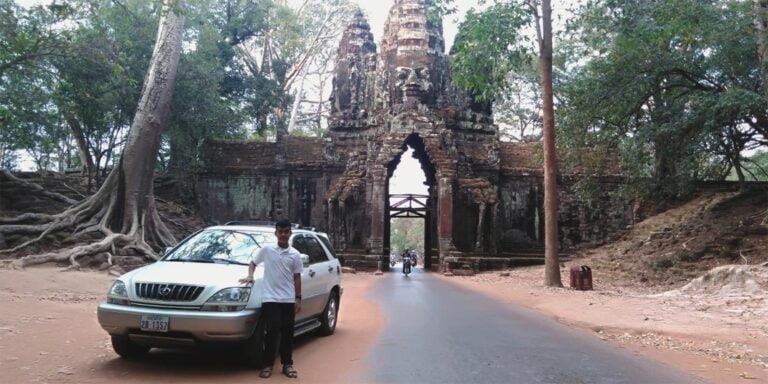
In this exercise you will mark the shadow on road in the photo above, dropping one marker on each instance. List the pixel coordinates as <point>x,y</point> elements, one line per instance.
<point>203,363</point>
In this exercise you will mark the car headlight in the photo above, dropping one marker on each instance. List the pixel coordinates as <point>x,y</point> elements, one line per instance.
<point>118,293</point>
<point>228,300</point>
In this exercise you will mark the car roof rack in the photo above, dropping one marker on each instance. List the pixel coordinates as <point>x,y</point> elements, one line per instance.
<point>250,222</point>
<point>268,223</point>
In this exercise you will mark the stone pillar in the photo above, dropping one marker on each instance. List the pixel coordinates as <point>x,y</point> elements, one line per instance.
<point>329,223</point>
<point>494,230</point>
<point>342,225</point>
<point>445,214</point>
<point>480,234</point>
<point>376,240</point>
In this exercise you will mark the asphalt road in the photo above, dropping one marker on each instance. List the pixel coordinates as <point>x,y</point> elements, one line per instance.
<point>440,333</point>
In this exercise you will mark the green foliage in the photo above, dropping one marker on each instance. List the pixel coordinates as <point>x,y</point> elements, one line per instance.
<point>662,264</point>
<point>27,119</point>
<point>488,46</point>
<point>662,82</point>
<point>675,259</point>
<point>101,73</point>
<point>688,256</point>
<point>518,108</point>
<point>756,165</point>
<point>438,9</point>
<point>26,36</point>
<point>406,233</point>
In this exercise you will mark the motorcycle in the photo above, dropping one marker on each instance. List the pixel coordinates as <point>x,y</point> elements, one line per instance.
<point>406,266</point>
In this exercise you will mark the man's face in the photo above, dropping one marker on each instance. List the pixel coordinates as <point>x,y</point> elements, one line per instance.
<point>283,234</point>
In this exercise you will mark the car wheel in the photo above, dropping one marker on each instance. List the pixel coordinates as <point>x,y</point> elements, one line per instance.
<point>253,348</point>
<point>330,315</point>
<point>127,349</point>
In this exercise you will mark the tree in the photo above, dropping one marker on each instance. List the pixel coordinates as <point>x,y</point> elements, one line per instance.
<point>123,209</point>
<point>210,95</point>
<point>282,55</point>
<point>552,273</point>
<point>27,43</point>
<point>760,9</point>
<point>26,38</point>
<point>661,84</point>
<point>491,44</point>
<point>99,77</point>
<point>517,110</point>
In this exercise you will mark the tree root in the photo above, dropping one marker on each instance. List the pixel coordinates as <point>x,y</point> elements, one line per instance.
<point>37,188</point>
<point>25,218</point>
<point>72,254</point>
<point>100,214</point>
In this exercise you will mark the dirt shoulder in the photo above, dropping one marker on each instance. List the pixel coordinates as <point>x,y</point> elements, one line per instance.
<point>49,333</point>
<point>722,339</point>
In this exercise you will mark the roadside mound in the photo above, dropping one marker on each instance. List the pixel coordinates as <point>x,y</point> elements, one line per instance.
<point>729,280</point>
<point>683,243</point>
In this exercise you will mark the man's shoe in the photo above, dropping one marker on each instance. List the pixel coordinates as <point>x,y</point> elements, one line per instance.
<point>265,372</point>
<point>289,371</point>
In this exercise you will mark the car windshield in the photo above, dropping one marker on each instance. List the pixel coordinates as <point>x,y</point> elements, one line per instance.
<point>221,246</point>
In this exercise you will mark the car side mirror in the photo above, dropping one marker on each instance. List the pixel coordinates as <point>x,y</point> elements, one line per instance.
<point>304,259</point>
<point>341,260</point>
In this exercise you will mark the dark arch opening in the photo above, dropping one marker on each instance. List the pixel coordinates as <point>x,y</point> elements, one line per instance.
<point>429,250</point>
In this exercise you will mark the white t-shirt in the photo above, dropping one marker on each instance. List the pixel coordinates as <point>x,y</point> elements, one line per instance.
<point>279,266</point>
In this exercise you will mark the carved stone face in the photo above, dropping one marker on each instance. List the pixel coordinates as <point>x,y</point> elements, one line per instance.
<point>412,56</point>
<point>414,83</point>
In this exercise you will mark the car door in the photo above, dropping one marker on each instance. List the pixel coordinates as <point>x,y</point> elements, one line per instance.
<point>312,284</point>
<point>334,262</point>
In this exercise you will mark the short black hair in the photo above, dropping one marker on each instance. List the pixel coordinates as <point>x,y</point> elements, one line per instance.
<point>283,223</point>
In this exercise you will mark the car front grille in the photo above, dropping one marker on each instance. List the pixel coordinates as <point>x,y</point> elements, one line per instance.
<point>168,292</point>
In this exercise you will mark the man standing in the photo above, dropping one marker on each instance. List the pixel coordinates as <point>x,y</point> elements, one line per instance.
<point>281,297</point>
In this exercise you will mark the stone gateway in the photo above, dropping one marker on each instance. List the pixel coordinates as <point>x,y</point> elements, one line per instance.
<point>484,209</point>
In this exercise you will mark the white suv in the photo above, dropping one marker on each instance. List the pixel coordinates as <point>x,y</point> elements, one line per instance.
<point>192,294</point>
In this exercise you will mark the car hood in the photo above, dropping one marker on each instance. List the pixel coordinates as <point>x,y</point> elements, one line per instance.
<point>203,274</point>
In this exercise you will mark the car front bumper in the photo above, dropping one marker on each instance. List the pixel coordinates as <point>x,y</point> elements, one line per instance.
<point>185,327</point>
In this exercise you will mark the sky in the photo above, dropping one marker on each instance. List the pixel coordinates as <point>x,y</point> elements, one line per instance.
<point>408,176</point>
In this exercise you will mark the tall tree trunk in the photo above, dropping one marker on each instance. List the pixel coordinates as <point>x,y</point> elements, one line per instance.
<point>281,133</point>
<point>296,103</point>
<point>552,263</point>
<point>136,166</point>
<point>123,209</point>
<point>86,160</point>
<point>664,169</point>
<point>760,8</point>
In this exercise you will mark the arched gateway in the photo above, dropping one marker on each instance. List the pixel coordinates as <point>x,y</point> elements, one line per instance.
<point>403,95</point>
<point>484,196</point>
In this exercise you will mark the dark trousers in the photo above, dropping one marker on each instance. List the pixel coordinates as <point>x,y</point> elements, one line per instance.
<point>279,319</point>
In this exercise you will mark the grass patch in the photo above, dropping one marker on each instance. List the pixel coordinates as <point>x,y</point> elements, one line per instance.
<point>687,256</point>
<point>662,264</point>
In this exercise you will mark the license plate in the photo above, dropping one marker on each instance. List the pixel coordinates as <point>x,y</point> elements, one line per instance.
<point>154,323</point>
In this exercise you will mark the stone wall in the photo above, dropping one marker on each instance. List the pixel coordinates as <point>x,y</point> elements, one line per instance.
<point>241,181</point>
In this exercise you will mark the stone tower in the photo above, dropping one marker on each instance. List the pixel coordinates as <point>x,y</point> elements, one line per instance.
<point>403,96</point>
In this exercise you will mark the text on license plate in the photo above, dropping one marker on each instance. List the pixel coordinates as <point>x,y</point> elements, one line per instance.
<point>154,323</point>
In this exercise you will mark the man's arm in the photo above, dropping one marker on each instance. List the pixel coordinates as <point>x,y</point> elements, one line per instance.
<point>297,288</point>
<point>249,279</point>
<point>252,267</point>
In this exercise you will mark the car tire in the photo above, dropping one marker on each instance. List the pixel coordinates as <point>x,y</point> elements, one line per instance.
<point>127,349</point>
<point>330,315</point>
<point>253,348</point>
